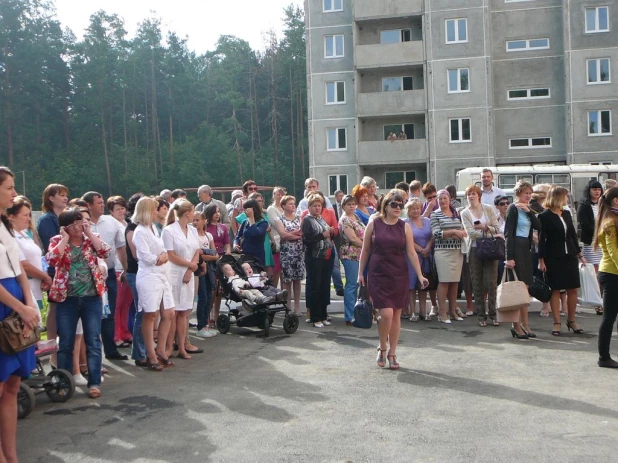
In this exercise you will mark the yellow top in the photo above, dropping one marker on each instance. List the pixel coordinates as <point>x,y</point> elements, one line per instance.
<point>608,240</point>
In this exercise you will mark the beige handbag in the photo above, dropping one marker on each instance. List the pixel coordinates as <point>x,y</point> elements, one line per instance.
<point>511,295</point>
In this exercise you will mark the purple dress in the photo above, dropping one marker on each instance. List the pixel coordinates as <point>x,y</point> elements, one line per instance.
<point>422,236</point>
<point>388,272</point>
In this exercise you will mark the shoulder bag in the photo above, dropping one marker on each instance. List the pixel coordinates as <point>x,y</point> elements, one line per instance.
<point>539,289</point>
<point>511,295</point>
<point>363,314</point>
<point>490,247</point>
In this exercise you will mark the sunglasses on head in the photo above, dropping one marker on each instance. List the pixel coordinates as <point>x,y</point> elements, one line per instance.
<point>396,205</point>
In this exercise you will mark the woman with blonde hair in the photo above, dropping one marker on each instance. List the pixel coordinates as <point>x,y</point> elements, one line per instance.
<point>273,212</point>
<point>370,184</point>
<point>183,251</point>
<point>606,238</point>
<point>153,287</point>
<point>558,253</point>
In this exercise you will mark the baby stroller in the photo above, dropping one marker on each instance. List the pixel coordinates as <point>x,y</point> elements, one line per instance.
<point>262,315</point>
<point>58,384</point>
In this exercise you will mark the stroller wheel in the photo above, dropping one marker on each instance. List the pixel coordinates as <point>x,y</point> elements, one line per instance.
<point>25,400</point>
<point>290,323</point>
<point>223,324</point>
<point>266,326</point>
<point>60,386</point>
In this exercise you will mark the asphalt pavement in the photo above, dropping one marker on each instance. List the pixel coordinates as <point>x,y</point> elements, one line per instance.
<point>463,394</point>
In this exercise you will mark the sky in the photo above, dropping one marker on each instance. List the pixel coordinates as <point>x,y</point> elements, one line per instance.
<point>203,21</point>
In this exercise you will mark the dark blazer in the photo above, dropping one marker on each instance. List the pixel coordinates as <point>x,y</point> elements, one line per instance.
<point>510,229</point>
<point>585,217</point>
<point>553,237</point>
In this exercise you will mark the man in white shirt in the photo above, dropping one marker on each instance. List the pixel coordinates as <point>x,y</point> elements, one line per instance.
<point>311,184</point>
<point>110,231</point>
<point>489,191</point>
<point>204,193</point>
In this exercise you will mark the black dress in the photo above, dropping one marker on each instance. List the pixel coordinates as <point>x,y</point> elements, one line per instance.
<point>559,248</point>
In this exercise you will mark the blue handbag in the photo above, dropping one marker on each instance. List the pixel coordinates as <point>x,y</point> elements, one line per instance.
<point>363,311</point>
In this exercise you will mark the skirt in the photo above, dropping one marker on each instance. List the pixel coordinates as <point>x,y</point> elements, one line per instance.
<point>592,256</point>
<point>523,259</point>
<point>562,272</point>
<point>22,363</point>
<point>449,263</point>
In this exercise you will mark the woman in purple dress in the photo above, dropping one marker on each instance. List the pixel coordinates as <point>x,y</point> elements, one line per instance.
<point>423,245</point>
<point>389,241</point>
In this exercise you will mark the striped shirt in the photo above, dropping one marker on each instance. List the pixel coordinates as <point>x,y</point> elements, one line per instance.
<point>441,223</point>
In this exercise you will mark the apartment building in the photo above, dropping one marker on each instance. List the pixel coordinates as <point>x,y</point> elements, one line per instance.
<point>469,83</point>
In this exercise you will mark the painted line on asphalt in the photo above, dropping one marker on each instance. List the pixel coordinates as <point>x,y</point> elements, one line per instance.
<point>117,368</point>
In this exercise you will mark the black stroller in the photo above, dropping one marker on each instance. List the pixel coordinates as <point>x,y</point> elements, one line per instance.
<point>260,315</point>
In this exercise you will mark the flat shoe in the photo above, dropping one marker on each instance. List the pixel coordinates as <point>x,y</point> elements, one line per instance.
<point>141,363</point>
<point>318,325</point>
<point>117,356</point>
<point>183,356</point>
<point>199,350</point>
<point>326,323</point>
<point>94,393</point>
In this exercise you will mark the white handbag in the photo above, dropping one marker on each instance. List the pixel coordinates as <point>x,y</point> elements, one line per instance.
<point>589,292</point>
<point>511,295</point>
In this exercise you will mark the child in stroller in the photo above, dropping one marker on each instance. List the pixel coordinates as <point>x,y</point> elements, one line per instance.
<point>261,282</point>
<point>243,288</point>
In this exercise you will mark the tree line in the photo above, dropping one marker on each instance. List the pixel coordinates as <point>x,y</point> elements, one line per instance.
<point>120,115</point>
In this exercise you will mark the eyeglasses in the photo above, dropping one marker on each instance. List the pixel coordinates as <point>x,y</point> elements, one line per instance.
<point>396,205</point>
<point>503,204</point>
<point>252,188</point>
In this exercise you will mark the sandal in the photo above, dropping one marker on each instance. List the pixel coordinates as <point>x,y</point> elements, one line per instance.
<point>599,310</point>
<point>460,313</point>
<point>483,323</point>
<point>544,314</point>
<point>165,361</point>
<point>414,317</point>
<point>381,361</point>
<point>556,332</point>
<point>153,366</point>
<point>94,393</point>
<point>183,356</point>
<point>495,323</point>
<point>393,365</point>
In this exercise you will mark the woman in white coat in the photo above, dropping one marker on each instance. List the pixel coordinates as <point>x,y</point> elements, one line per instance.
<point>182,246</point>
<point>153,287</point>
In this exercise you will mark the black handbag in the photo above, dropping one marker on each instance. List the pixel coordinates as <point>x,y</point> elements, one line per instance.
<point>428,270</point>
<point>490,248</point>
<point>363,311</point>
<point>539,289</point>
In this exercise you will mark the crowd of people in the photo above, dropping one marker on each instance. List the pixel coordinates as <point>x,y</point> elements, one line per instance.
<point>130,278</point>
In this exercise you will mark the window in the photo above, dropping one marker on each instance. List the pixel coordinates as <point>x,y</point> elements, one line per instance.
<point>598,71</point>
<point>528,143</point>
<point>528,94</point>
<point>337,139</point>
<point>460,130</point>
<point>335,92</point>
<point>509,180</point>
<point>393,178</point>
<point>563,180</point>
<point>456,30</point>
<point>597,19</point>
<point>458,80</point>
<point>333,46</point>
<point>408,129</point>
<point>333,5</point>
<point>397,84</point>
<point>529,44</point>
<point>600,122</point>
<point>337,182</point>
<point>395,36</point>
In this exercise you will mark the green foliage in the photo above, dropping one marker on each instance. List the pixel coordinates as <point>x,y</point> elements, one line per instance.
<point>116,115</point>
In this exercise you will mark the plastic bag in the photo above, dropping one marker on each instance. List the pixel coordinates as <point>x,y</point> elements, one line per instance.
<point>589,293</point>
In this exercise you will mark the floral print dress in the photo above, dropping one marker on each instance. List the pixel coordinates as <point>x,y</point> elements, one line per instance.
<point>292,252</point>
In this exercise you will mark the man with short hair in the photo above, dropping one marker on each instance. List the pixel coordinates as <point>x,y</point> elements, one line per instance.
<point>166,195</point>
<point>177,194</point>
<point>415,189</point>
<point>609,183</point>
<point>110,231</point>
<point>338,197</point>
<point>311,184</point>
<point>489,191</point>
<point>204,193</point>
<point>403,186</point>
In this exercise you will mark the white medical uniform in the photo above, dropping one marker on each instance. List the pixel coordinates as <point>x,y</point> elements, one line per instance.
<point>184,247</point>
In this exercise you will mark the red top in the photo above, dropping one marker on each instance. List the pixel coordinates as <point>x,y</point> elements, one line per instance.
<point>329,217</point>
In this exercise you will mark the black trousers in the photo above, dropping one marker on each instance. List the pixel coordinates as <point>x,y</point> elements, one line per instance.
<point>318,282</point>
<point>609,284</point>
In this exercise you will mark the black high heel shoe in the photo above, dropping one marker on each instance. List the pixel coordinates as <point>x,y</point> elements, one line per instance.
<point>529,333</point>
<point>517,335</point>
<point>556,332</point>
<point>571,327</point>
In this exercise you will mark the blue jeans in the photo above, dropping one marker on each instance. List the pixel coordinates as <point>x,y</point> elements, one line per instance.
<point>204,298</point>
<point>90,310</point>
<point>351,287</point>
<point>336,271</point>
<point>107,324</point>
<point>138,350</point>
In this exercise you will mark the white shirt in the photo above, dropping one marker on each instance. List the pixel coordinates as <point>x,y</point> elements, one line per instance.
<point>184,247</point>
<point>9,254</point>
<point>111,232</point>
<point>32,254</point>
<point>148,246</point>
<point>487,197</point>
<point>303,206</point>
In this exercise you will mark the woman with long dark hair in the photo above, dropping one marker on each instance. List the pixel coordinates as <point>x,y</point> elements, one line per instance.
<point>252,232</point>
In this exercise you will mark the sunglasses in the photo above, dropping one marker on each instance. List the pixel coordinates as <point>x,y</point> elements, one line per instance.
<point>503,204</point>
<point>396,205</point>
<point>252,188</point>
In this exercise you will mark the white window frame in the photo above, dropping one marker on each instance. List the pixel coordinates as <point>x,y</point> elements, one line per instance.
<point>401,80</point>
<point>335,82</point>
<point>401,129</point>
<point>448,80</point>
<point>456,23</point>
<point>333,9</point>
<point>528,94</point>
<point>400,34</point>
<point>517,1</point>
<point>596,20</point>
<point>403,176</point>
<point>530,145</point>
<point>599,115</point>
<point>334,38</point>
<point>337,129</point>
<point>598,66</point>
<point>460,125</point>
<point>528,47</point>
<point>339,177</point>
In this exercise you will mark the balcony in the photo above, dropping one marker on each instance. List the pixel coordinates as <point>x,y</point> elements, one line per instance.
<point>365,10</point>
<point>388,55</point>
<point>391,103</point>
<point>395,152</point>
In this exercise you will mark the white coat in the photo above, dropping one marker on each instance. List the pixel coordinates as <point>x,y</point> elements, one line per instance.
<point>184,247</point>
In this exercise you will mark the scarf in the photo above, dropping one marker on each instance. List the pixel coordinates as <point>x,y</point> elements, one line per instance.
<point>614,210</point>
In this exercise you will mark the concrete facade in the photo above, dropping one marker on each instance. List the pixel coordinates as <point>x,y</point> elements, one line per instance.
<point>471,83</point>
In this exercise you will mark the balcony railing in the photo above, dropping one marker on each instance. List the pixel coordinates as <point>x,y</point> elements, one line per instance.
<point>388,55</point>
<point>391,103</point>
<point>377,9</point>
<point>392,152</point>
